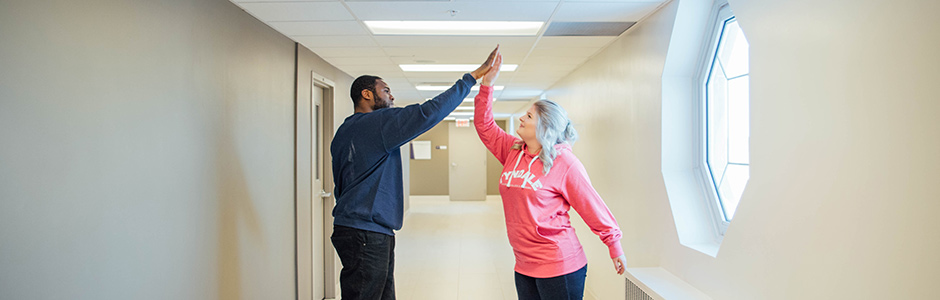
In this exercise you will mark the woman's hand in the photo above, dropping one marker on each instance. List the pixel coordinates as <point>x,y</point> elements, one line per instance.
<point>487,65</point>
<point>493,72</point>
<point>620,264</point>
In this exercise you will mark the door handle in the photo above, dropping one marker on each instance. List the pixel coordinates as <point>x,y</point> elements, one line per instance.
<point>324,194</point>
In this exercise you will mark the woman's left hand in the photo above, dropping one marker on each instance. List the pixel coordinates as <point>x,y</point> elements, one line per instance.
<point>620,264</point>
<point>493,72</point>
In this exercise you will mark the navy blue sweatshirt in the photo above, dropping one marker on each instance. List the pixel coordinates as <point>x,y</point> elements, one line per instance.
<point>367,160</point>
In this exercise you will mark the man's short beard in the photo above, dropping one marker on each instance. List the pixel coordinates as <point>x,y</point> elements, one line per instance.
<point>381,105</point>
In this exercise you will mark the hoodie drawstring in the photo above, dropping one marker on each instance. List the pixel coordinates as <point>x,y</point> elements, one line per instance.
<point>518,159</point>
<point>514,169</point>
<point>524,180</point>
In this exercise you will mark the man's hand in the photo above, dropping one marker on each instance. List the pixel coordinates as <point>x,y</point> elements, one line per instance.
<point>620,264</point>
<point>485,67</point>
<point>491,75</point>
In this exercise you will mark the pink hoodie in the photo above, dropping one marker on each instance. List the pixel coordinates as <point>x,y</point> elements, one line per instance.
<point>536,205</point>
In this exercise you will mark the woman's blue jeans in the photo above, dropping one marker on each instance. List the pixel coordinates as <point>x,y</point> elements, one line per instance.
<point>565,287</point>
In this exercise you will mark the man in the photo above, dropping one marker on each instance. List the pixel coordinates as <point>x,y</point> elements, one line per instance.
<point>368,177</point>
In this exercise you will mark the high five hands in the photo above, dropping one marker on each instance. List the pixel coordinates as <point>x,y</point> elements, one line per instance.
<point>487,65</point>
<point>493,72</point>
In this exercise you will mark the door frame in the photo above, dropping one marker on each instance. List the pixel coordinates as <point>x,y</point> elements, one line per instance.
<point>307,200</point>
<point>331,267</point>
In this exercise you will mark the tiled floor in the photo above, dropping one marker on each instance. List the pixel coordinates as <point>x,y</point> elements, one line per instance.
<point>454,250</point>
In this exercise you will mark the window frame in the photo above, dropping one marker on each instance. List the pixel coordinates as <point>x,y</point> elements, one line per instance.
<point>721,14</point>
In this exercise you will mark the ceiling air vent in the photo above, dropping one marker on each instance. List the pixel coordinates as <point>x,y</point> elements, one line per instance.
<point>587,28</point>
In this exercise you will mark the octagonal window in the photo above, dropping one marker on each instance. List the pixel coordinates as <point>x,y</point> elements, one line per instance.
<point>727,127</point>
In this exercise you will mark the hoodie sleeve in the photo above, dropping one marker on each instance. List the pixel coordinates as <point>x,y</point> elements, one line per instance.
<point>496,139</point>
<point>580,194</point>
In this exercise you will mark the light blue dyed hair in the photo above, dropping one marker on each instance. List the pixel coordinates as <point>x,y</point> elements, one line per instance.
<point>553,128</point>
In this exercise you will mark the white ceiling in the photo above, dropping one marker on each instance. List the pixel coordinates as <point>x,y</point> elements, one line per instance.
<point>335,30</point>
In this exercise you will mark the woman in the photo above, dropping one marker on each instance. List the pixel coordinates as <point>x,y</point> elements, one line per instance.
<point>541,180</point>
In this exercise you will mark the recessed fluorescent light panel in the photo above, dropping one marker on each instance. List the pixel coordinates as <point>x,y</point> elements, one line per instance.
<point>445,87</point>
<point>450,68</point>
<point>454,28</point>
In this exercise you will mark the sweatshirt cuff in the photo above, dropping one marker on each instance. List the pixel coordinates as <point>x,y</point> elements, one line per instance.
<point>468,77</point>
<point>615,249</point>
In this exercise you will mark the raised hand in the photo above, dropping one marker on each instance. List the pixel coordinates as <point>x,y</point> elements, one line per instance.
<point>493,72</point>
<point>487,65</point>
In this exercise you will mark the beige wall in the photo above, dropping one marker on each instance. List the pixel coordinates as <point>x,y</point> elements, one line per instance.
<point>147,152</point>
<point>493,167</point>
<point>308,63</point>
<point>430,176</point>
<point>613,101</point>
<point>841,202</point>
<point>308,199</point>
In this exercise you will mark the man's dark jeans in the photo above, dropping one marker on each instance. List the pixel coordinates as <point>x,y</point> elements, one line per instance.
<point>368,263</point>
<point>565,287</point>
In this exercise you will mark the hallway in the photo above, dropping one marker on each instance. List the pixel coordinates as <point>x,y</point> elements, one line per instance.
<point>182,149</point>
<point>454,250</point>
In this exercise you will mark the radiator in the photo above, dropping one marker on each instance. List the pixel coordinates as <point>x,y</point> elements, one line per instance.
<point>636,293</point>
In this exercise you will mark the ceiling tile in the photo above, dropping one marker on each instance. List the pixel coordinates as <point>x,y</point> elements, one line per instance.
<point>440,51</point>
<point>619,1</point>
<point>452,55</point>
<point>488,1</point>
<point>466,11</point>
<point>377,70</point>
<point>343,41</point>
<point>396,82</point>
<point>358,61</point>
<point>535,79</point>
<point>604,11</point>
<point>298,11</point>
<point>612,29</point>
<point>409,100</point>
<point>549,76</point>
<point>575,41</point>
<point>441,59</point>
<point>486,42</point>
<point>542,80</point>
<point>437,59</point>
<point>335,33</point>
<point>582,52</point>
<point>533,86</point>
<point>428,94</point>
<point>436,82</point>
<point>250,1</point>
<point>528,74</point>
<point>566,68</point>
<point>569,64</point>
<point>405,97</point>
<point>349,52</point>
<point>292,28</point>
<point>566,62</point>
<point>519,93</point>
<point>442,78</point>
